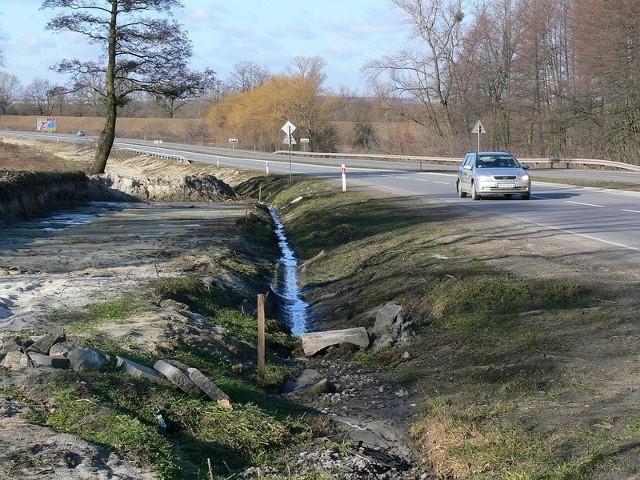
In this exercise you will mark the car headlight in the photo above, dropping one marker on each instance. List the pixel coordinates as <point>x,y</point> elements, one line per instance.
<point>524,178</point>
<point>484,178</point>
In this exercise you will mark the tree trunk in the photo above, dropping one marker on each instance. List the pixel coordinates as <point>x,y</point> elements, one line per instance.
<point>105,142</point>
<point>108,134</point>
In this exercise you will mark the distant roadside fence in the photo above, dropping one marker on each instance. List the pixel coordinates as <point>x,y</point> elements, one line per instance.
<point>564,163</point>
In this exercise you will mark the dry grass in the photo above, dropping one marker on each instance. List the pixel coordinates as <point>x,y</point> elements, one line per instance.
<point>18,158</point>
<point>395,138</point>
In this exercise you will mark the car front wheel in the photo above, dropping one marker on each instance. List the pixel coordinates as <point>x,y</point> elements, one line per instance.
<point>525,196</point>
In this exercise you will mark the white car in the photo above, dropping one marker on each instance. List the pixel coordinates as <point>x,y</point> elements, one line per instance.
<point>492,173</point>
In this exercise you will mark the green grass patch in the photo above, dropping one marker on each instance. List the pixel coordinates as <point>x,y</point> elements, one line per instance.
<point>491,341</point>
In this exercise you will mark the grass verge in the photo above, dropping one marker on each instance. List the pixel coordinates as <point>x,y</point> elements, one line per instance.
<point>509,389</point>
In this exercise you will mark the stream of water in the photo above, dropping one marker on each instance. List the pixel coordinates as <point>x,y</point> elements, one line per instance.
<point>296,310</point>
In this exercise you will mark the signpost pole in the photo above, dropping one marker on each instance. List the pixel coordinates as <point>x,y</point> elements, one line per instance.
<point>289,154</point>
<point>288,129</point>
<point>478,129</point>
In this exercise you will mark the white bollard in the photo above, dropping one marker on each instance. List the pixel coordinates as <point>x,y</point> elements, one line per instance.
<point>266,165</point>
<point>217,161</point>
<point>344,177</point>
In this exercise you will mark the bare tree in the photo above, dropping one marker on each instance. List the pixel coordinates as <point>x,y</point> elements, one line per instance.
<point>58,99</point>
<point>485,68</point>
<point>10,91</point>
<point>423,73</point>
<point>608,54</point>
<point>143,52</point>
<point>38,95</point>
<point>173,97</point>
<point>309,68</point>
<point>247,75</point>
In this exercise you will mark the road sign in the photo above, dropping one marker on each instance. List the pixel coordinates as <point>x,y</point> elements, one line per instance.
<point>289,140</point>
<point>478,128</point>
<point>233,140</point>
<point>288,127</point>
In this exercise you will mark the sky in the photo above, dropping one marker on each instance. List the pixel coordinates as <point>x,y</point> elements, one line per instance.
<point>345,33</point>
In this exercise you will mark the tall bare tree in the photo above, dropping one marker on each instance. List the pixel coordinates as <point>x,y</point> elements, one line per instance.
<point>247,75</point>
<point>608,55</point>
<point>309,68</point>
<point>142,52</point>
<point>38,96</point>
<point>424,72</point>
<point>10,91</point>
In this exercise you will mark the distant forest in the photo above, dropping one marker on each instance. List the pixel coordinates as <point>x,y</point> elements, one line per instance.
<point>547,78</point>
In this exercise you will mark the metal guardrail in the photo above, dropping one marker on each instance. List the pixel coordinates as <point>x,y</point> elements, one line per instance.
<point>168,156</point>
<point>567,163</point>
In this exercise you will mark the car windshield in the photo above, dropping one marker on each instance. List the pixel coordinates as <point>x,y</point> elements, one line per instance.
<point>496,161</point>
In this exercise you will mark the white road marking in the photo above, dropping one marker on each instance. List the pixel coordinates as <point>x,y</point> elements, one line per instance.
<point>586,204</point>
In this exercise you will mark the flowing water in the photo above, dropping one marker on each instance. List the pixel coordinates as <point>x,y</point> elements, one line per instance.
<point>296,310</point>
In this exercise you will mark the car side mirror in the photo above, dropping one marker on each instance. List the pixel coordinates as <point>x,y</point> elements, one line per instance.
<point>525,167</point>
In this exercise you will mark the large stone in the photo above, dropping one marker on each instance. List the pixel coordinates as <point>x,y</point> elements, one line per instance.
<point>40,360</point>
<point>43,344</point>
<point>13,360</point>
<point>140,371</point>
<point>307,378</point>
<point>175,376</point>
<point>320,388</point>
<point>314,342</point>
<point>87,359</point>
<point>209,388</point>
<point>10,345</point>
<point>62,349</point>
<point>389,328</point>
<point>310,382</point>
<point>387,318</point>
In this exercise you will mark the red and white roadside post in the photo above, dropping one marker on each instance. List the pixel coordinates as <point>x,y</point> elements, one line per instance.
<point>344,177</point>
<point>266,166</point>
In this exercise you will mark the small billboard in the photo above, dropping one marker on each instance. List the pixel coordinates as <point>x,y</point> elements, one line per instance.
<point>46,124</point>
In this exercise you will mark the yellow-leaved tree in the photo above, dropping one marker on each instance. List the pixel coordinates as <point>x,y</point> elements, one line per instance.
<point>255,117</point>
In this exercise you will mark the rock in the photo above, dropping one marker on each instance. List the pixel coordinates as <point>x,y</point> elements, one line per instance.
<point>196,318</point>
<point>10,345</point>
<point>306,379</point>
<point>175,376</point>
<point>210,389</point>
<point>43,344</point>
<point>140,371</point>
<point>320,388</point>
<point>62,349</point>
<point>389,326</point>
<point>87,359</point>
<point>314,342</point>
<point>40,360</point>
<point>13,360</point>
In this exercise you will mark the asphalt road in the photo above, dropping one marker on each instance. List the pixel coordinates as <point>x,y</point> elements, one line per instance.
<point>610,217</point>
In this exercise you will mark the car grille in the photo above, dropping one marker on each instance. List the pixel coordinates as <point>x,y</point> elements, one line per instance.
<point>505,177</point>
